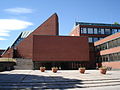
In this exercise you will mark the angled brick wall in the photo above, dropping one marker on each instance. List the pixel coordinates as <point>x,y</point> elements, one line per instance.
<point>49,27</point>
<point>8,53</point>
<point>75,31</point>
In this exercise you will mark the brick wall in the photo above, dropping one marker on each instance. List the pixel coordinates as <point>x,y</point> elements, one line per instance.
<point>8,53</point>
<point>75,31</point>
<point>114,65</point>
<point>60,48</point>
<point>49,27</point>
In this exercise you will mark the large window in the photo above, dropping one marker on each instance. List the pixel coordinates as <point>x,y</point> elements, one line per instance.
<point>110,44</point>
<point>107,31</point>
<point>102,31</point>
<point>118,40</point>
<point>95,39</point>
<point>118,30</point>
<point>95,31</point>
<point>90,30</point>
<point>114,31</point>
<point>84,30</point>
<point>111,57</point>
<point>90,39</point>
<point>118,56</point>
<point>99,31</point>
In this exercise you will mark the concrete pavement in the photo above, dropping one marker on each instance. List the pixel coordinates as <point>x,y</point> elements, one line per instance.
<point>63,79</point>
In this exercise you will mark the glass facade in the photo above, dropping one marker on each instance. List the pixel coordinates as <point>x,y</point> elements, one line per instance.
<point>95,31</point>
<point>84,30</point>
<point>102,31</point>
<point>108,45</point>
<point>90,39</point>
<point>94,39</point>
<point>90,31</point>
<point>118,30</point>
<point>114,31</point>
<point>108,31</point>
<point>109,57</point>
<point>105,31</point>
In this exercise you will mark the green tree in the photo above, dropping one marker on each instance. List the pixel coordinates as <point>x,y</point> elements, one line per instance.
<point>116,23</point>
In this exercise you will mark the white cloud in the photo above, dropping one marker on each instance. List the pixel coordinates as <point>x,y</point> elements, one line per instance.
<point>19,10</point>
<point>4,34</point>
<point>8,25</point>
<point>2,38</point>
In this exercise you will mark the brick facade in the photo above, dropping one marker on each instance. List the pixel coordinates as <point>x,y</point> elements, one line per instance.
<point>8,53</point>
<point>60,48</point>
<point>49,27</point>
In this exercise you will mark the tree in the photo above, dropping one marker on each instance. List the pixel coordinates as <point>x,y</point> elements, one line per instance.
<point>116,23</point>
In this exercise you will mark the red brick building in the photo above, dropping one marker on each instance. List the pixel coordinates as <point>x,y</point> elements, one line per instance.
<point>46,48</point>
<point>94,32</point>
<point>108,51</point>
<point>62,51</point>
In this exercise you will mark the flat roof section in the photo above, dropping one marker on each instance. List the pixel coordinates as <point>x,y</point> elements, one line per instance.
<point>96,24</point>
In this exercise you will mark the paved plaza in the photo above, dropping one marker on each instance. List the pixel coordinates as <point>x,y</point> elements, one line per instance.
<point>63,79</point>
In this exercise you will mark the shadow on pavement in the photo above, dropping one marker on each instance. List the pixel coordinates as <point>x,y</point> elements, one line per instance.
<point>36,82</point>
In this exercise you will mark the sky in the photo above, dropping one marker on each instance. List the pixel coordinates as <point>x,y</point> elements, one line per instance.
<point>26,15</point>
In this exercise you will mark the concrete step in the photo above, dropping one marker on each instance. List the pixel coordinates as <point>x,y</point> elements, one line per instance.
<point>52,84</point>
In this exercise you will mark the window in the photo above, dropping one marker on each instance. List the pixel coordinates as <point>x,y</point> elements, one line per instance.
<point>102,31</point>
<point>95,39</point>
<point>99,31</point>
<point>100,38</point>
<point>115,43</point>
<point>111,57</point>
<point>90,39</point>
<point>118,40</point>
<point>95,31</point>
<point>90,30</point>
<point>110,44</point>
<point>115,56</point>
<point>97,48</point>
<point>84,30</point>
<point>119,56</point>
<point>118,30</point>
<point>114,31</point>
<point>107,31</point>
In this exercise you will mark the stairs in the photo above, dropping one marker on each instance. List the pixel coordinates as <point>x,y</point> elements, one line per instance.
<point>60,84</point>
<point>36,80</point>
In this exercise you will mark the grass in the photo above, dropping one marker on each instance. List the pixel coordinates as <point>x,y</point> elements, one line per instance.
<point>7,60</point>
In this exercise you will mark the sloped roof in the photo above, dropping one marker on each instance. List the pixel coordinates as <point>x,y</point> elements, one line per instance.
<point>22,35</point>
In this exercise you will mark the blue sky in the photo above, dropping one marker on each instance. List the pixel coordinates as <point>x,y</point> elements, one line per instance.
<point>24,15</point>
